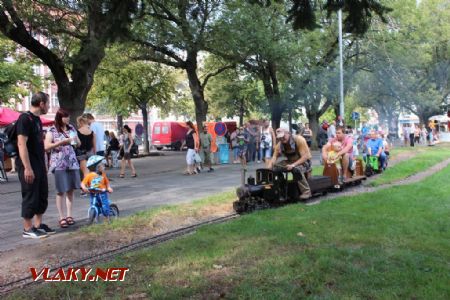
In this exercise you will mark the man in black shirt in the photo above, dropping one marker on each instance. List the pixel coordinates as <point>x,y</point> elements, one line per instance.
<point>32,169</point>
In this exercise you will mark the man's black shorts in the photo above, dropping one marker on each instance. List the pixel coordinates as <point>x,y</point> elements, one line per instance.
<point>35,195</point>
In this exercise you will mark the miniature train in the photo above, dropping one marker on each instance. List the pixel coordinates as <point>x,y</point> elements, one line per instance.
<point>273,188</point>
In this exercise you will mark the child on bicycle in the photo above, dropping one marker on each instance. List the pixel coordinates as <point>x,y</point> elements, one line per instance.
<point>97,180</point>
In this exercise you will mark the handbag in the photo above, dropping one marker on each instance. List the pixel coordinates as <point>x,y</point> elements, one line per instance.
<point>197,158</point>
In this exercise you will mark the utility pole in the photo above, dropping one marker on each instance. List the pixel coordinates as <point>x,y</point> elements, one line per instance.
<point>341,68</point>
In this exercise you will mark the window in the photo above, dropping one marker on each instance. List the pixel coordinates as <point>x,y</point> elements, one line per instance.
<point>165,129</point>
<point>157,129</point>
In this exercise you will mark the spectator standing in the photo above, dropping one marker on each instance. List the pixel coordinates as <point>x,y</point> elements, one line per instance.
<point>267,142</point>
<point>257,156</point>
<point>107,149</point>
<point>191,142</point>
<point>405,133</point>
<point>205,146</point>
<point>423,135</point>
<point>251,146</point>
<point>126,146</point>
<point>114,148</point>
<point>61,140</point>
<point>307,134</point>
<point>411,135</point>
<point>99,132</point>
<point>30,165</point>
<point>242,140</point>
<point>416,134</point>
<point>322,139</point>
<point>87,139</point>
<point>331,131</point>
<point>235,145</point>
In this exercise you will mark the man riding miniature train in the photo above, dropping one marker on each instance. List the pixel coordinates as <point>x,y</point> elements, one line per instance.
<point>344,155</point>
<point>298,159</point>
<point>375,147</point>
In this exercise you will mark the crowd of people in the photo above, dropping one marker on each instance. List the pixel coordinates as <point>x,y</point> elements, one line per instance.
<point>69,150</point>
<point>66,151</point>
<point>419,134</point>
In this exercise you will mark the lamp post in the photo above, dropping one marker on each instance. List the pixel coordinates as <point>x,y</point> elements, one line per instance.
<point>341,67</point>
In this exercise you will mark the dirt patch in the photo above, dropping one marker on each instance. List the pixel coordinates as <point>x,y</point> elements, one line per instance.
<point>68,247</point>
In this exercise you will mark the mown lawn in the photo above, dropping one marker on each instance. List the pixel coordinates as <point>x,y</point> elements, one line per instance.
<point>391,244</point>
<point>424,159</point>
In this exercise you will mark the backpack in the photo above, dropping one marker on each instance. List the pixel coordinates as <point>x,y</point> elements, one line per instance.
<point>137,140</point>
<point>10,142</point>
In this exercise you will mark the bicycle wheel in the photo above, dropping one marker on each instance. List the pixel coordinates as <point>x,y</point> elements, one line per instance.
<point>113,211</point>
<point>3,175</point>
<point>92,215</point>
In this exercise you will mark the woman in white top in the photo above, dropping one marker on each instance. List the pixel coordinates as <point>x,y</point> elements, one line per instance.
<point>267,142</point>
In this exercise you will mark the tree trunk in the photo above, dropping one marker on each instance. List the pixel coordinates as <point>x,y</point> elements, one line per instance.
<point>201,106</point>
<point>119,123</point>
<point>290,119</point>
<point>145,119</point>
<point>72,98</point>
<point>313,120</point>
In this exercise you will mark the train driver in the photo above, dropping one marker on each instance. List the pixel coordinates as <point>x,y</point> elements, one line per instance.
<point>298,158</point>
<point>346,153</point>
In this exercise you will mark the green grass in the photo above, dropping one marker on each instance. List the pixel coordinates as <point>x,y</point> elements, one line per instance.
<point>143,217</point>
<point>420,162</point>
<point>391,244</point>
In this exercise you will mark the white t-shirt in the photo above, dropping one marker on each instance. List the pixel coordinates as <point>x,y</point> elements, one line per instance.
<point>267,140</point>
<point>99,132</point>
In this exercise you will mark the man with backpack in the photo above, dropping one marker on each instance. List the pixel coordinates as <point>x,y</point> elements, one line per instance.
<point>32,169</point>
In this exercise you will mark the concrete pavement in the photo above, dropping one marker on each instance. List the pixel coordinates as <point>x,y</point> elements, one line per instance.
<point>160,181</point>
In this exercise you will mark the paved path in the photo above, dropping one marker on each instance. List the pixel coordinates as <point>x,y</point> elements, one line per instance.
<point>160,181</point>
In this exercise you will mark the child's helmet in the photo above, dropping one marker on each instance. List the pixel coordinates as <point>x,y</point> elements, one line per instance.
<point>94,161</point>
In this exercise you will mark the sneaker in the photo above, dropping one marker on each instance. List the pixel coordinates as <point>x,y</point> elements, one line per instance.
<point>33,233</point>
<point>44,228</point>
<point>305,196</point>
<point>210,170</point>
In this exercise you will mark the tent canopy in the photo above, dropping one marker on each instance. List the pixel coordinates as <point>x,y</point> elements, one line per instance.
<point>440,118</point>
<point>8,116</point>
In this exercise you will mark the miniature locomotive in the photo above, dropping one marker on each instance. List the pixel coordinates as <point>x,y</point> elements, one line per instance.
<point>273,188</point>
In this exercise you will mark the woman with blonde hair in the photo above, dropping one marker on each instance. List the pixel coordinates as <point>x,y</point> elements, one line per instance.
<point>87,147</point>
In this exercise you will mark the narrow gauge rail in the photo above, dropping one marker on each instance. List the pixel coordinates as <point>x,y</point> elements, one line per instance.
<point>147,242</point>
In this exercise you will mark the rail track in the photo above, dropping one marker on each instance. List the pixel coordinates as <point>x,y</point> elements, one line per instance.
<point>147,242</point>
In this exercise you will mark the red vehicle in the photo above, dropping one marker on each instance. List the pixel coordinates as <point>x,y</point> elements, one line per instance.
<point>168,134</point>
